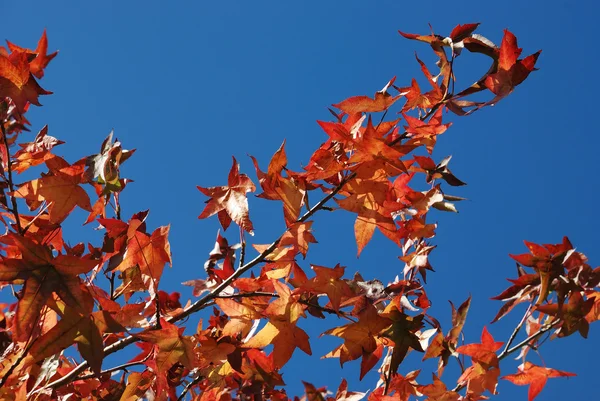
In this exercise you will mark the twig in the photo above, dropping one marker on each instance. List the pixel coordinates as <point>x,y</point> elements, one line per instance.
<point>116,368</point>
<point>242,249</point>
<point>249,295</point>
<point>512,337</point>
<point>11,185</point>
<point>526,341</point>
<point>112,286</point>
<point>189,386</point>
<point>16,363</point>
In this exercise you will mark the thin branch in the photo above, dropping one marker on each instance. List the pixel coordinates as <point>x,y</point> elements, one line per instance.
<point>526,341</point>
<point>189,386</point>
<point>512,337</point>
<point>242,249</point>
<point>116,368</point>
<point>20,358</point>
<point>11,185</point>
<point>16,363</point>
<point>275,295</point>
<point>249,295</point>
<point>112,285</point>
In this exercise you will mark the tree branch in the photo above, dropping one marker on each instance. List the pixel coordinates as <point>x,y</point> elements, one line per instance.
<point>189,386</point>
<point>11,185</point>
<point>512,337</point>
<point>202,302</point>
<point>116,368</point>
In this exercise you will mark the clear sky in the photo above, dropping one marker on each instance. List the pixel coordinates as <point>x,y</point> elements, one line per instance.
<point>189,84</point>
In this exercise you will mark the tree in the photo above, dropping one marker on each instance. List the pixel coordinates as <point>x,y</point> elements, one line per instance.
<point>84,299</point>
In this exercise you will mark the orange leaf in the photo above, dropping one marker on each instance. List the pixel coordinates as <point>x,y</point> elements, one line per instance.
<point>364,104</point>
<point>230,202</point>
<point>285,338</point>
<point>535,377</point>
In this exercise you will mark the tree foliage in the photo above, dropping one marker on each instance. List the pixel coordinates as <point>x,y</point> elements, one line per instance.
<point>94,300</point>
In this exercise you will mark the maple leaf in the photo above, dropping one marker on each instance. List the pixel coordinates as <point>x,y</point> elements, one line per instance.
<point>329,281</point>
<point>402,333</point>
<point>572,314</point>
<point>368,198</point>
<point>511,70</point>
<point>36,152</point>
<point>17,82</point>
<point>437,391</point>
<point>364,104</point>
<point>230,202</point>
<point>61,190</point>
<point>535,377</point>
<point>84,329</point>
<point>343,394</point>
<point>137,385</point>
<point>547,261</point>
<point>285,338</point>
<point>484,351</point>
<point>277,187</point>
<point>286,307</point>
<point>444,347</point>
<point>241,317</point>
<point>425,133</point>
<point>149,252</point>
<point>41,56</point>
<point>359,337</point>
<point>42,274</point>
<point>298,235</point>
<point>483,374</point>
<point>170,347</point>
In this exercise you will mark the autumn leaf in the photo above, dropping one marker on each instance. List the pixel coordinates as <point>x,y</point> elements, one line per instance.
<point>343,394</point>
<point>511,70</point>
<point>484,351</point>
<point>285,338</point>
<point>275,186</point>
<point>16,79</point>
<point>364,104</point>
<point>230,202</point>
<point>437,391</point>
<point>41,274</point>
<point>41,57</point>
<point>547,261</point>
<point>329,281</point>
<point>36,152</point>
<point>299,236</point>
<point>149,252</point>
<point>403,333</point>
<point>61,190</point>
<point>572,314</point>
<point>360,338</point>
<point>535,377</point>
<point>171,347</point>
<point>241,316</point>
<point>368,198</point>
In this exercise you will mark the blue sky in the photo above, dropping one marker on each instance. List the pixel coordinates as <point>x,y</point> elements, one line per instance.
<point>191,83</point>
